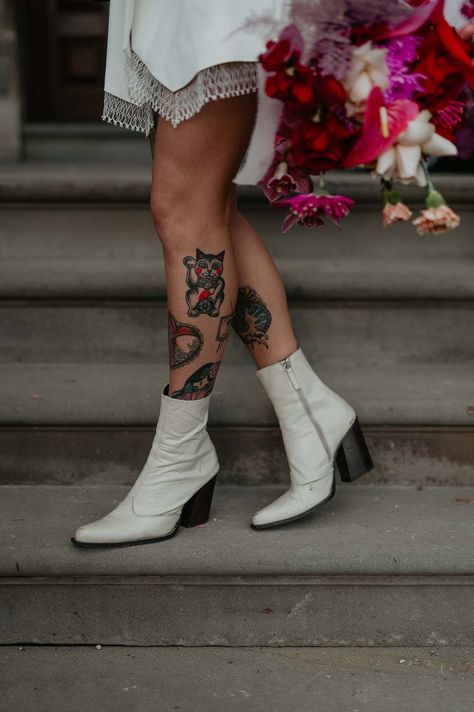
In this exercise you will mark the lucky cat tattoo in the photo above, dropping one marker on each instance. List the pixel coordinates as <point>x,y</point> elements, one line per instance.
<point>206,286</point>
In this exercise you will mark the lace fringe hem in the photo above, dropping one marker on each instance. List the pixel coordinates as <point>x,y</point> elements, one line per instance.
<point>148,95</point>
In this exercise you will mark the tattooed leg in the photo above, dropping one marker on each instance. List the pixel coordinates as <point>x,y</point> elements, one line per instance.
<point>193,166</point>
<point>262,319</point>
<point>225,322</point>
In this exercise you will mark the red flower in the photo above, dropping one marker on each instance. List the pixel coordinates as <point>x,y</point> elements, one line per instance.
<point>444,61</point>
<point>317,147</point>
<point>294,85</point>
<point>278,55</point>
<point>285,52</point>
<point>329,91</point>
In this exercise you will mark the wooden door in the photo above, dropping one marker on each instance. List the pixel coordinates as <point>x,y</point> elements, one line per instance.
<point>63,45</point>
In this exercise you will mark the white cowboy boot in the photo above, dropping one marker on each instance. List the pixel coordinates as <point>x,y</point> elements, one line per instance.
<point>175,486</point>
<point>319,429</point>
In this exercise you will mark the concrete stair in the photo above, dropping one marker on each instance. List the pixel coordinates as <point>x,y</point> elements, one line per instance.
<point>83,358</point>
<point>237,680</point>
<point>378,566</point>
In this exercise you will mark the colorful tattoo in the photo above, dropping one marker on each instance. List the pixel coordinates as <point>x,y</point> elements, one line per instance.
<point>252,318</point>
<point>225,322</point>
<point>185,342</point>
<point>206,286</point>
<point>200,383</point>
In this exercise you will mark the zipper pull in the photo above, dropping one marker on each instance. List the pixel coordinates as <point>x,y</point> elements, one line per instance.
<point>290,373</point>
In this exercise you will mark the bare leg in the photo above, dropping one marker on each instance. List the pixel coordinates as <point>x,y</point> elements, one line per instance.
<point>193,167</point>
<point>262,319</point>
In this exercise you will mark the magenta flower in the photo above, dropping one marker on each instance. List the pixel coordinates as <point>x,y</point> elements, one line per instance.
<point>281,180</point>
<point>335,207</point>
<point>467,9</point>
<point>401,52</point>
<point>309,209</point>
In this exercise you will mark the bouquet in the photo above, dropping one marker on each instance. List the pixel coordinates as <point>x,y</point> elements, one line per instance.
<point>382,85</point>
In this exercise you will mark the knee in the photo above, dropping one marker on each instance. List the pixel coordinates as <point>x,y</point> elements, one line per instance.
<point>166,206</point>
<point>181,211</point>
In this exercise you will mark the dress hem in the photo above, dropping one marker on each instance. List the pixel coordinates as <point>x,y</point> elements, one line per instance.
<point>147,95</point>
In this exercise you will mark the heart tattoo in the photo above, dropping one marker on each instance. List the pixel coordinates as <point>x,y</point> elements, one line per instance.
<point>185,342</point>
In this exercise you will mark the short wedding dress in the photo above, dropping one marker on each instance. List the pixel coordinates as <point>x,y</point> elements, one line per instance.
<point>169,58</point>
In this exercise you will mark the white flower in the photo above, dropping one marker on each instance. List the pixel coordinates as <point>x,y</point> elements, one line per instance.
<point>368,70</point>
<point>403,160</point>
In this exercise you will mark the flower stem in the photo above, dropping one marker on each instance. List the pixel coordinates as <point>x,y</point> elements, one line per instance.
<point>321,189</point>
<point>429,182</point>
<point>434,198</point>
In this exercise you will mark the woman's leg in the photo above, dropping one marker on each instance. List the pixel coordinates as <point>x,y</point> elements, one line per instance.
<point>317,425</point>
<point>193,168</point>
<point>261,319</point>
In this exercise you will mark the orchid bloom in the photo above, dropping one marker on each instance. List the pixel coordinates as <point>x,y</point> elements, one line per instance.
<point>403,160</point>
<point>368,70</point>
<point>309,209</point>
<point>282,180</point>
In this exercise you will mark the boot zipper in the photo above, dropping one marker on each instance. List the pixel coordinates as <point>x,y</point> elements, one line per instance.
<point>286,363</point>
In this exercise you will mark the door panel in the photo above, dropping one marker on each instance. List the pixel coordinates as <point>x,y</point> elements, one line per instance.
<point>63,47</point>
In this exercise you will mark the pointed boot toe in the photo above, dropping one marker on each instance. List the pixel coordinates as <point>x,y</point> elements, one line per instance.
<point>123,527</point>
<point>320,432</point>
<point>297,502</point>
<point>175,486</point>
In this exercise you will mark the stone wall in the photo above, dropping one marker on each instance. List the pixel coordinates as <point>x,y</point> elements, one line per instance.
<point>10,113</point>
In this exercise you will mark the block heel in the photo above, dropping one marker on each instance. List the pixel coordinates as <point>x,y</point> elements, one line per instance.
<point>353,457</point>
<point>197,509</point>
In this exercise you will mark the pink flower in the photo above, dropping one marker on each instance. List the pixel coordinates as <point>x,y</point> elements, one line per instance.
<point>309,209</point>
<point>467,9</point>
<point>434,221</point>
<point>335,207</point>
<point>393,213</point>
<point>281,180</point>
<point>383,124</point>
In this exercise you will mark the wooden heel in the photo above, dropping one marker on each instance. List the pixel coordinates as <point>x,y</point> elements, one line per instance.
<point>197,509</point>
<point>353,457</point>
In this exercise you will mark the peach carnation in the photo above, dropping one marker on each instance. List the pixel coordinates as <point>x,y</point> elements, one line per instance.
<point>434,221</point>
<point>395,213</point>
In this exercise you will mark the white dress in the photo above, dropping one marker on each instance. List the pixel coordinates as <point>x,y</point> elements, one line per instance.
<point>173,56</point>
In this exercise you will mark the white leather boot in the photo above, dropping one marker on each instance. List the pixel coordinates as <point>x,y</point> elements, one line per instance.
<point>175,486</point>
<point>319,429</point>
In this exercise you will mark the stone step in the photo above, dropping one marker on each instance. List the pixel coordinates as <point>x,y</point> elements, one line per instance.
<point>377,566</point>
<point>103,180</point>
<point>84,144</point>
<point>92,251</point>
<point>35,395</point>
<point>409,455</point>
<point>357,679</point>
<point>348,336</point>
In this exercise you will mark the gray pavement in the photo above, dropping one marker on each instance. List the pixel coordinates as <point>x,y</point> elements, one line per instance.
<point>117,679</point>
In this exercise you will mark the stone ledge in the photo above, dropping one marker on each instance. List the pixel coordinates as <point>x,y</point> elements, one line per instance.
<point>236,680</point>
<point>370,531</point>
<point>377,566</point>
<point>128,394</point>
<point>113,182</point>
<point>305,279</point>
